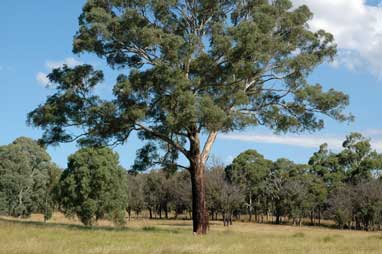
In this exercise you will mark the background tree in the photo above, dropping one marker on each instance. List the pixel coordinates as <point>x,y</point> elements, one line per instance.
<point>317,196</point>
<point>340,206</point>
<point>153,193</point>
<point>358,158</point>
<point>214,184</point>
<point>326,165</point>
<point>281,170</point>
<point>94,186</point>
<point>136,195</point>
<point>250,170</point>
<point>181,191</point>
<point>357,206</point>
<point>3,204</point>
<point>27,178</point>
<point>367,205</point>
<point>195,67</point>
<point>49,191</point>
<point>296,195</point>
<point>223,196</point>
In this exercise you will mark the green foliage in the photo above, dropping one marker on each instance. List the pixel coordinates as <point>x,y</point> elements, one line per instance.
<point>158,191</point>
<point>358,158</point>
<point>249,168</point>
<point>3,204</point>
<point>194,67</point>
<point>360,203</point>
<point>27,178</point>
<point>357,162</point>
<point>296,197</point>
<point>181,191</point>
<point>326,165</point>
<point>249,171</point>
<point>136,198</point>
<point>94,186</point>
<point>288,187</point>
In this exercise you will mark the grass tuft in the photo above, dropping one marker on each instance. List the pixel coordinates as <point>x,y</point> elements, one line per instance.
<point>150,228</point>
<point>328,239</point>
<point>298,235</point>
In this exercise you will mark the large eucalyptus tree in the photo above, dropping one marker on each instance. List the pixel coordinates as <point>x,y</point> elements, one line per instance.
<point>189,70</point>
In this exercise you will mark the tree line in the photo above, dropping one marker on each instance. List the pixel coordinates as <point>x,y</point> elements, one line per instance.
<point>344,187</point>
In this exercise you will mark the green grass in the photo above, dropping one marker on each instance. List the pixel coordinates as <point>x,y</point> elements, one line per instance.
<point>167,237</point>
<point>299,235</point>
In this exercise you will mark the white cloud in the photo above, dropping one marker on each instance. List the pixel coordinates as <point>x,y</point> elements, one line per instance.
<point>42,78</point>
<point>373,132</point>
<point>305,141</point>
<point>69,61</point>
<point>289,140</point>
<point>357,28</point>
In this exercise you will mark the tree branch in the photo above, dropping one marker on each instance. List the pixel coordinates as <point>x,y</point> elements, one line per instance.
<point>164,138</point>
<point>208,145</point>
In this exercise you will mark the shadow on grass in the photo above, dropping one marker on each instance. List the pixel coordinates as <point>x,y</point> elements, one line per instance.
<point>87,228</point>
<point>178,224</point>
<point>298,235</point>
<point>322,225</point>
<point>156,229</point>
<point>189,224</point>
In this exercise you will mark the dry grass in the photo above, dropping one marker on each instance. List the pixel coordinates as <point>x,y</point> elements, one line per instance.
<point>62,235</point>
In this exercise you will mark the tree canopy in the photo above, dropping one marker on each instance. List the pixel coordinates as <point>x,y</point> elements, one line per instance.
<point>26,176</point>
<point>249,170</point>
<point>94,186</point>
<point>190,68</point>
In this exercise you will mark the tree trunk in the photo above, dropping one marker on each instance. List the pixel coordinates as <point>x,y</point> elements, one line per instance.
<point>198,160</point>
<point>311,218</point>
<point>212,214</point>
<point>250,207</point>
<point>166,211</point>
<point>199,208</point>
<point>357,224</point>
<point>151,213</point>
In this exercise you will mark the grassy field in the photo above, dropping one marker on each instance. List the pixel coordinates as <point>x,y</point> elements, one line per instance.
<point>166,237</point>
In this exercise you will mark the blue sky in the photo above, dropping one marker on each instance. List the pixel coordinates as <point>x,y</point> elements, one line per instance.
<point>37,36</point>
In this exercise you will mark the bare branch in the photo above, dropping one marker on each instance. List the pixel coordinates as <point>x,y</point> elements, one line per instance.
<point>208,145</point>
